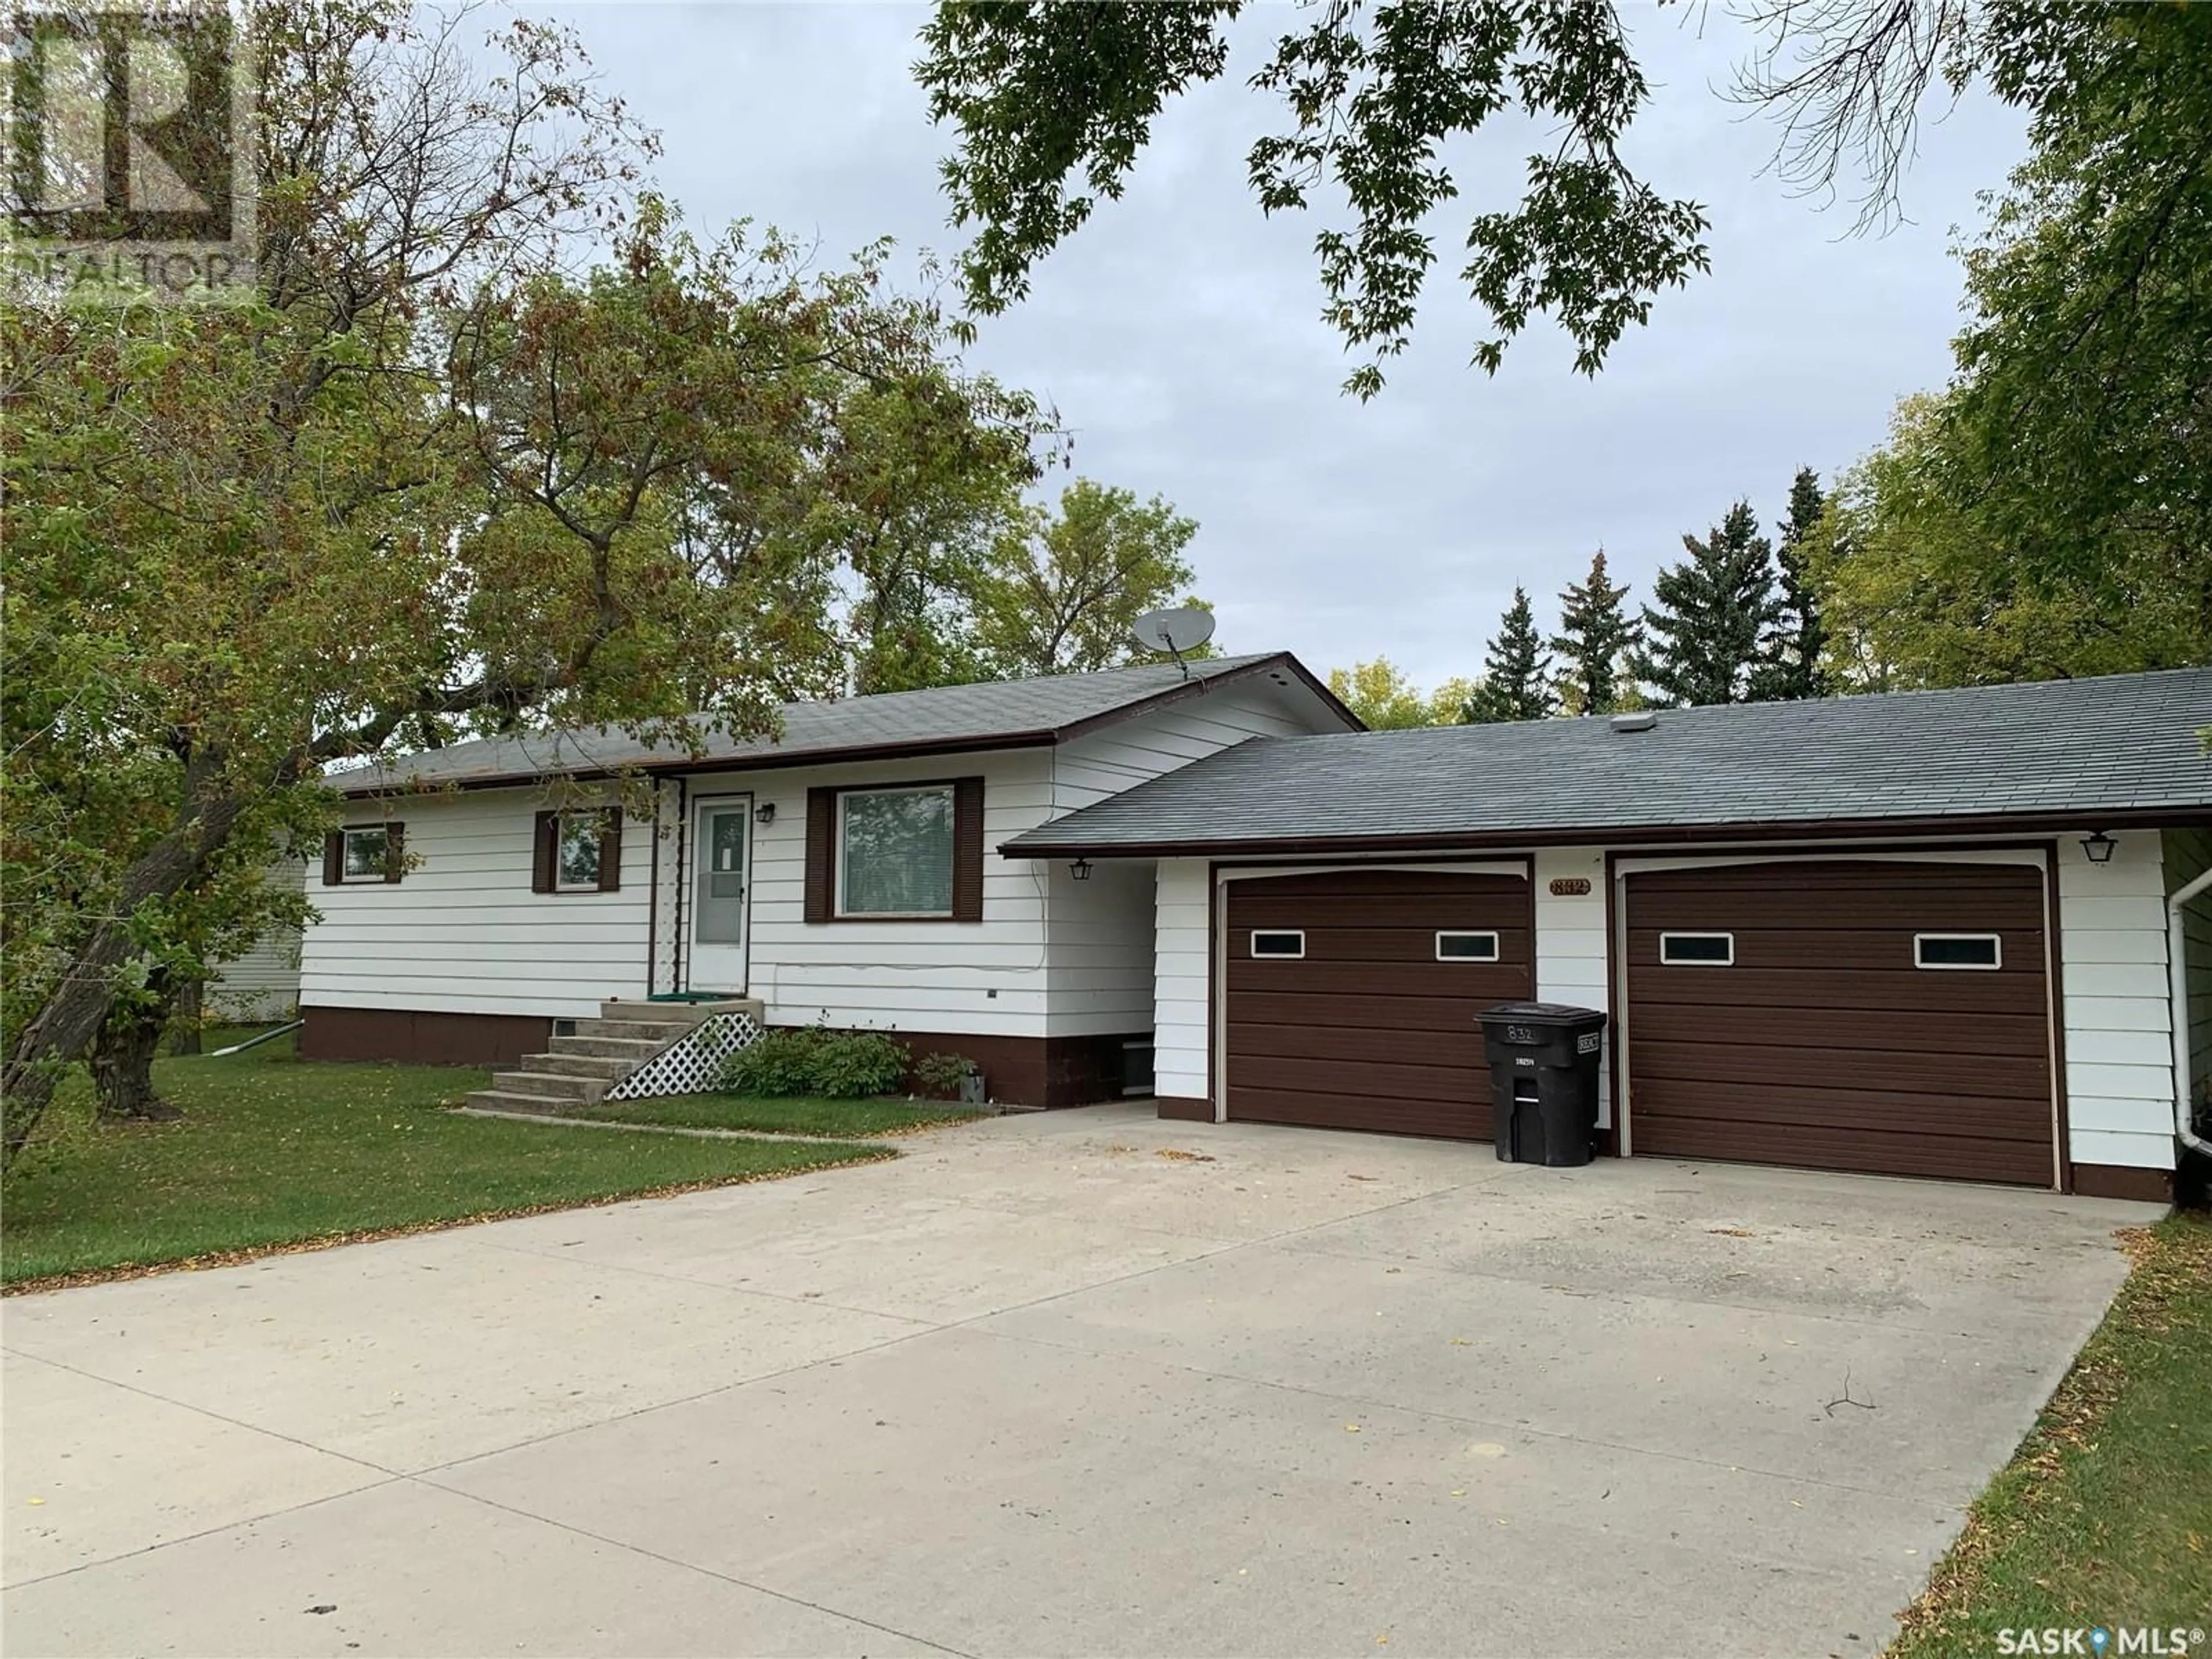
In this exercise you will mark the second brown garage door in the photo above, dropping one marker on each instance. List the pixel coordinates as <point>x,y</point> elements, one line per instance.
<point>1351,997</point>
<point>1890,1016</point>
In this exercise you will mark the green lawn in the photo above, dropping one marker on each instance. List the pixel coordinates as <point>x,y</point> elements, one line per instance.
<point>832,1118</point>
<point>276,1150</point>
<point>2104,1517</point>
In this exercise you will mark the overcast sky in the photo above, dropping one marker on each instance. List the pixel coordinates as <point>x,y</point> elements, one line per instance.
<point>1178,333</point>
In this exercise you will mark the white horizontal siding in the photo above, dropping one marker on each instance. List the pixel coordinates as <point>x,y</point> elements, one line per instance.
<point>2188,854</point>
<point>462,933</point>
<point>263,984</point>
<point>985,978</point>
<point>1182,1009</point>
<point>1110,988</point>
<point>1119,756</point>
<point>1570,945</point>
<point>2119,1055</point>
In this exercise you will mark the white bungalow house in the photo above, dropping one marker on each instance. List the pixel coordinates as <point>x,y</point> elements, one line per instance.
<point>1959,934</point>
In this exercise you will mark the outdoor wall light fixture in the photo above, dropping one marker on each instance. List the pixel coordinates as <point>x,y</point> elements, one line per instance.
<point>764,814</point>
<point>2099,847</point>
<point>1080,869</point>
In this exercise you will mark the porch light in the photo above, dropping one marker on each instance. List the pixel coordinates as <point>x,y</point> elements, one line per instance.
<point>2099,847</point>
<point>1080,869</point>
<point>764,814</point>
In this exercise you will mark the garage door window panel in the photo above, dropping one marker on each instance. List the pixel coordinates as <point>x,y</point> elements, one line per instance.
<point>1277,944</point>
<point>1697,950</point>
<point>1455,946</point>
<point>1956,952</point>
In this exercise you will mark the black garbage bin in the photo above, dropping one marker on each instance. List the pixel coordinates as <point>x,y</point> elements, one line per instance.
<point>1543,1080</point>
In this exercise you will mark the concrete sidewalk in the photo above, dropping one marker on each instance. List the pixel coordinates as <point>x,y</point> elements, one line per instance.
<point>1037,1388</point>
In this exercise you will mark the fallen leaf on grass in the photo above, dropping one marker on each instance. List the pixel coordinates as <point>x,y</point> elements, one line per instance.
<point>1177,1154</point>
<point>1732,1232</point>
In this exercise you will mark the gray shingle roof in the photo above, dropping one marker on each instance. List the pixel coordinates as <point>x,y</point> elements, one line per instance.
<point>996,714</point>
<point>2061,750</point>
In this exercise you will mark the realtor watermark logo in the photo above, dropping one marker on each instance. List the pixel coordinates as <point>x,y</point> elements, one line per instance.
<point>2104,1641</point>
<point>129,153</point>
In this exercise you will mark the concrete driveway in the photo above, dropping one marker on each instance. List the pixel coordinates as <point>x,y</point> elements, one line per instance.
<point>1042,1388</point>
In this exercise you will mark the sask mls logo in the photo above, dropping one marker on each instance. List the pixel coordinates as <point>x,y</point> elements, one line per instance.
<point>2103,1642</point>
<point>129,152</point>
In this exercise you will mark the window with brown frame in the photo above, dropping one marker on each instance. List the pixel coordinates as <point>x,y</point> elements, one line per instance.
<point>897,851</point>
<point>577,852</point>
<point>362,854</point>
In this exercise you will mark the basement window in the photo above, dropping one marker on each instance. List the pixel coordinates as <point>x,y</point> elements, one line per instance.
<point>1967,950</point>
<point>1697,950</point>
<point>1466,947</point>
<point>1278,942</point>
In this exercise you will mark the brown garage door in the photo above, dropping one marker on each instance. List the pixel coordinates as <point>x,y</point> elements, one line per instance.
<point>1887,1017</point>
<point>1351,997</point>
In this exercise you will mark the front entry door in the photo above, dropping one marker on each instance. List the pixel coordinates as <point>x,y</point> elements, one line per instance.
<point>720,893</point>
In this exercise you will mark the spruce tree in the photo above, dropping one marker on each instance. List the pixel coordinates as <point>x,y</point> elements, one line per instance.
<point>1596,633</point>
<point>1702,642</point>
<point>1794,637</point>
<point>1517,670</point>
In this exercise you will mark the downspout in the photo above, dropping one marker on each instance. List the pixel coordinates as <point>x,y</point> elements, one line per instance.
<point>2177,968</point>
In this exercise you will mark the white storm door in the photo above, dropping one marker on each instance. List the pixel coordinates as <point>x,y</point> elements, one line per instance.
<point>722,887</point>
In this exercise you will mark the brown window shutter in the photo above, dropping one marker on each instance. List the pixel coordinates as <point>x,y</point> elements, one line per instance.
<point>541,851</point>
<point>395,851</point>
<point>334,858</point>
<point>610,850</point>
<point>968,849</point>
<point>821,854</point>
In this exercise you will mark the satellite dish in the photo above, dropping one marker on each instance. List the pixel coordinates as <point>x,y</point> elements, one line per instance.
<point>1174,632</point>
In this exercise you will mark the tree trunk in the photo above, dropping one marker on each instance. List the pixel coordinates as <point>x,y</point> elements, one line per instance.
<point>123,1067</point>
<point>71,1018</point>
<point>192,1008</point>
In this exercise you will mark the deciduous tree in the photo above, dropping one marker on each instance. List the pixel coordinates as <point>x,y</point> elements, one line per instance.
<point>1063,588</point>
<point>1385,700</point>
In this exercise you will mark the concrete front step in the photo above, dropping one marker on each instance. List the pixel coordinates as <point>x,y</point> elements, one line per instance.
<point>660,1033</point>
<point>686,1014</point>
<point>608,1069</point>
<point>630,1049</point>
<point>557,1086</point>
<point>506,1100</point>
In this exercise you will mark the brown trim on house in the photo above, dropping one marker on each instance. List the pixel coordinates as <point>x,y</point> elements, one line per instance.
<point>652,898</point>
<point>423,1036</point>
<point>2054,938</point>
<point>1676,837</point>
<point>1049,1072</point>
<point>2119,1180</point>
<point>1609,1139</point>
<point>1182,1109</point>
<point>1216,991</point>
<point>676,981</point>
<point>968,849</point>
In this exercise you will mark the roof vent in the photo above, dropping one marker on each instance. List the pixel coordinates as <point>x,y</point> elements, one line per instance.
<point>1641,719</point>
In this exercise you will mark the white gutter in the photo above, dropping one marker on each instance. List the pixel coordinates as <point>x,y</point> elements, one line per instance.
<point>2177,968</point>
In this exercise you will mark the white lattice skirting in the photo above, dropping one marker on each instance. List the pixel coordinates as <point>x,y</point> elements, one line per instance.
<point>693,1063</point>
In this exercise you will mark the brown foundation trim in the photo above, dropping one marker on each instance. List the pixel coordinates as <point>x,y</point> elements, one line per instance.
<point>2121,1180</point>
<point>1185,1110</point>
<point>1064,1071</point>
<point>420,1036</point>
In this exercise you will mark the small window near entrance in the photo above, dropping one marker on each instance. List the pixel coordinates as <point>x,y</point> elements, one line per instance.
<point>1467,947</point>
<point>1968,950</point>
<point>576,853</point>
<point>1697,950</point>
<point>1278,942</point>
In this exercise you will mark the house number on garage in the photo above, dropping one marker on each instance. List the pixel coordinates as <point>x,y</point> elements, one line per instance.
<point>1570,886</point>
